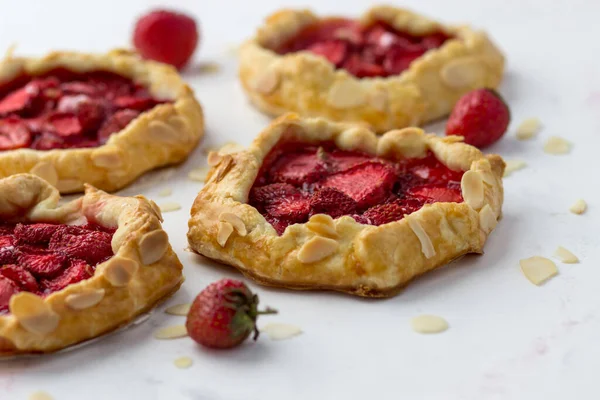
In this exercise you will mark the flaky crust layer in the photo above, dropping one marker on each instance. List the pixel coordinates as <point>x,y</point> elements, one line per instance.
<point>143,271</point>
<point>163,135</point>
<point>341,254</point>
<point>311,86</point>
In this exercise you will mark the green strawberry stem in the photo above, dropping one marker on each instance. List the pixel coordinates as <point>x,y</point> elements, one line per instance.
<point>246,312</point>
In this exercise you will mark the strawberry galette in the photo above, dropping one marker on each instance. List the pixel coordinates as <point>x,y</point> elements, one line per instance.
<point>314,204</point>
<point>72,272</point>
<point>75,118</point>
<point>390,69</point>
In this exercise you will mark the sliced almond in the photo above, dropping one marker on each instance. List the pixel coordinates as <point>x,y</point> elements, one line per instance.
<point>528,128</point>
<point>379,100</point>
<point>513,165</point>
<point>462,72</point>
<point>428,324</point>
<point>487,219</point>
<point>565,256</point>
<point>316,249</point>
<point>107,157</point>
<point>84,299</point>
<point>214,158</point>
<point>183,362</point>
<point>171,332</point>
<point>179,309</point>
<point>281,331</point>
<point>40,396</point>
<point>426,245</point>
<point>346,93</point>
<point>579,207</point>
<point>118,271</point>
<point>33,314</point>
<point>472,189</point>
<point>268,82</point>
<point>46,171</point>
<point>235,221</point>
<point>210,67</point>
<point>538,269</point>
<point>169,206</point>
<point>322,224</point>
<point>225,167</point>
<point>224,230</point>
<point>152,246</point>
<point>69,185</point>
<point>198,174</point>
<point>165,192</point>
<point>556,145</point>
<point>230,148</point>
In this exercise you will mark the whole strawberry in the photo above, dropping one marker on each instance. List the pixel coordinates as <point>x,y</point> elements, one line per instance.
<point>480,116</point>
<point>166,36</point>
<point>224,314</point>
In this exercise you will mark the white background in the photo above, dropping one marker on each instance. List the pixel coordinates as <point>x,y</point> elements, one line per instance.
<point>508,339</point>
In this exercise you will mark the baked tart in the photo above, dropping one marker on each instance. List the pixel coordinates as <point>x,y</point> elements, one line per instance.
<point>391,68</point>
<point>314,204</point>
<point>72,272</point>
<point>102,119</point>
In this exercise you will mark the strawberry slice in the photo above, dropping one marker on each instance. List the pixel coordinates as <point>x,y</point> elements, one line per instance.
<point>341,161</point>
<point>40,262</point>
<point>135,102</point>
<point>437,194</point>
<point>333,50</point>
<point>292,208</point>
<point>399,59</point>
<point>115,123</point>
<point>360,68</point>
<point>42,233</point>
<point>76,87</point>
<point>65,125</point>
<point>298,168</point>
<point>17,101</point>
<point>91,246</point>
<point>332,202</point>
<point>390,212</point>
<point>7,251</point>
<point>48,141</point>
<point>7,289</point>
<point>77,271</point>
<point>434,40</point>
<point>278,224</point>
<point>268,193</point>
<point>368,183</point>
<point>13,135</point>
<point>19,275</point>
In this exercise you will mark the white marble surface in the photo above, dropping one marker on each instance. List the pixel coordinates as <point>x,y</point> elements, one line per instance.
<point>508,339</point>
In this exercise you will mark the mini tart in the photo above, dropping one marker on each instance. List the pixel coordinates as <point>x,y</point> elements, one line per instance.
<point>303,82</point>
<point>138,270</point>
<point>150,137</point>
<point>342,254</point>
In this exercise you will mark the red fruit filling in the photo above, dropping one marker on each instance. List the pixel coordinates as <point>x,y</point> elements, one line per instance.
<point>299,180</point>
<point>44,258</point>
<point>63,109</point>
<point>374,50</point>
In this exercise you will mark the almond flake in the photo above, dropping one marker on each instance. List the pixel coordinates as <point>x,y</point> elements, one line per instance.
<point>33,313</point>
<point>463,72</point>
<point>230,148</point>
<point>317,249</point>
<point>235,221</point>
<point>428,324</point>
<point>538,269</point>
<point>281,331</point>
<point>323,225</point>
<point>487,219</point>
<point>513,165</point>
<point>556,145</point>
<point>171,332</point>
<point>426,246</point>
<point>198,174</point>
<point>528,129</point>
<point>209,68</point>
<point>165,192</point>
<point>183,362</point>
<point>85,299</point>
<point>214,158</point>
<point>40,396</point>
<point>472,189</point>
<point>579,207</point>
<point>152,246</point>
<point>268,82</point>
<point>565,256</point>
<point>225,229</point>
<point>169,206</point>
<point>179,309</point>
<point>347,93</point>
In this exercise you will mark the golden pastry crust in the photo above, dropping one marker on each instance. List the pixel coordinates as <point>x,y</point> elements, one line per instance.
<point>164,135</point>
<point>341,254</point>
<point>309,85</point>
<point>143,271</point>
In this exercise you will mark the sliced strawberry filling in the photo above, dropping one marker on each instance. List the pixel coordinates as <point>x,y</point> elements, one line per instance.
<point>374,50</point>
<point>299,180</point>
<point>64,109</point>
<point>44,258</point>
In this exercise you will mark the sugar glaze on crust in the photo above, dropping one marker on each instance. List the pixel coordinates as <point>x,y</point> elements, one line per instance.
<point>164,135</point>
<point>310,85</point>
<point>341,254</point>
<point>143,271</point>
